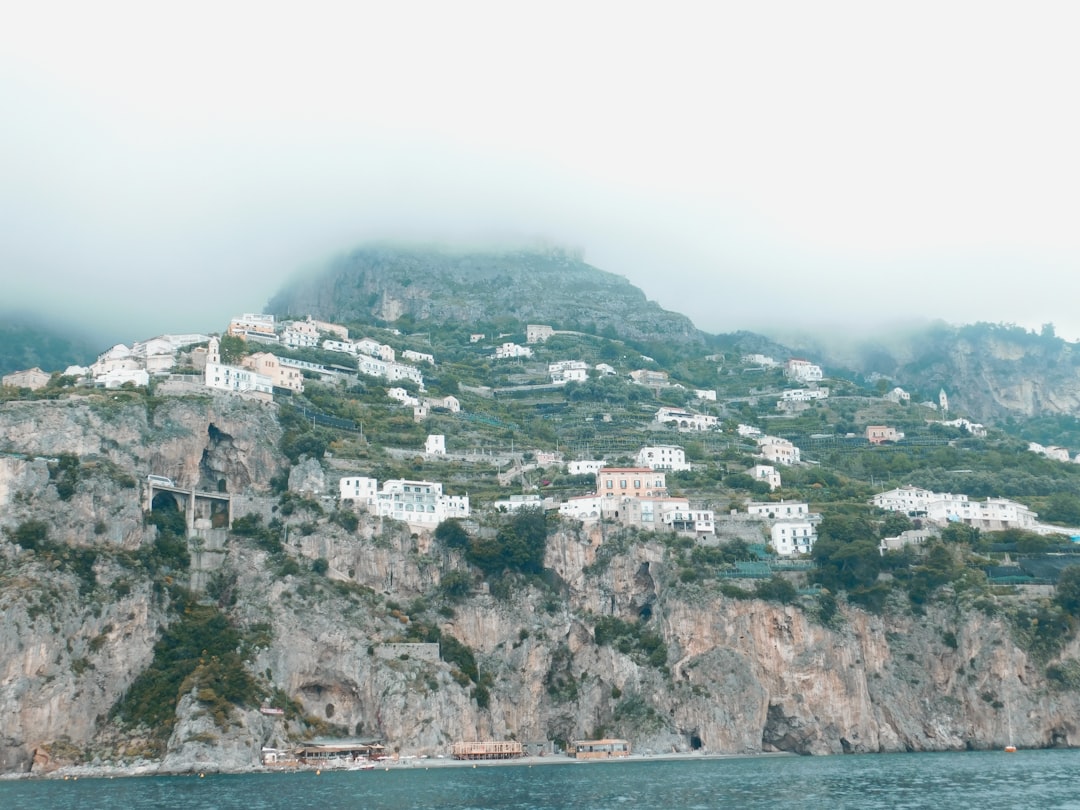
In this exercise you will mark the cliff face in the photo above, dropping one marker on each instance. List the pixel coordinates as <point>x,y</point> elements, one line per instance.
<point>990,372</point>
<point>740,675</point>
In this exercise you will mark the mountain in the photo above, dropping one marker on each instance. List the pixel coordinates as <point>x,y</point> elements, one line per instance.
<point>26,342</point>
<point>487,291</point>
<point>187,626</point>
<point>992,372</point>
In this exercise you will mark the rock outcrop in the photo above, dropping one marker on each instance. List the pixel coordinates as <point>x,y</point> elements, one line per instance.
<point>737,675</point>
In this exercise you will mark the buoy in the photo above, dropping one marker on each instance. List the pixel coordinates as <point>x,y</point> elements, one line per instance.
<point>318,771</point>
<point>202,775</point>
<point>1010,749</point>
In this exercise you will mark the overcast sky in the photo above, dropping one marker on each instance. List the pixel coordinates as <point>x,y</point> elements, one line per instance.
<point>753,165</point>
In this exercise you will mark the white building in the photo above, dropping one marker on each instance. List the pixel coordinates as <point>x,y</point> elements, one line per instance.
<point>804,394</point>
<point>682,519</point>
<point>993,514</point>
<point>508,351</point>
<point>300,334</point>
<point>158,354</point>
<point>767,473</point>
<point>377,367</point>
<point>748,430</point>
<point>117,358</point>
<point>973,428</point>
<point>759,360</point>
<point>911,537</point>
<point>1052,452</point>
<point>435,444</point>
<point>234,379</point>
<point>376,349</point>
<point>582,507</point>
<point>898,395</point>
<point>778,510</point>
<point>662,457</point>
<point>708,395</point>
<point>584,467</point>
<point>516,502</point>
<point>790,537</point>
<point>418,357</point>
<point>449,403</point>
<point>686,420</point>
<point>605,369</point>
<point>119,376</point>
<point>419,502</point>
<point>564,371</point>
<point>803,371</point>
<point>360,490</point>
<point>402,396</point>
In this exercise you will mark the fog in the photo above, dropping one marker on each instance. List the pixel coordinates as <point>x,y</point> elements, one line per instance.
<point>774,168</point>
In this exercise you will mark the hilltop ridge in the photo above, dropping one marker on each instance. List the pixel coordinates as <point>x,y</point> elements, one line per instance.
<point>411,286</point>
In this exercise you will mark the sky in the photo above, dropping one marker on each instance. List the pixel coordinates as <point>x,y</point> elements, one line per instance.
<point>766,166</point>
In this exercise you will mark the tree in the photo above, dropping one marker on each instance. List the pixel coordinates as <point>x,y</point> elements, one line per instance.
<point>776,589</point>
<point>846,565</point>
<point>1062,507</point>
<point>232,348</point>
<point>518,545</point>
<point>452,534</point>
<point>894,524</point>
<point>1068,590</point>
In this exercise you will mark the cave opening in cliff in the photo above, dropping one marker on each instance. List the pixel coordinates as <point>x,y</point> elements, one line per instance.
<point>695,741</point>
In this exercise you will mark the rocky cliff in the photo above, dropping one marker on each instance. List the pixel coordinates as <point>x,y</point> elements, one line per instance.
<point>732,675</point>
<point>443,287</point>
<point>991,372</point>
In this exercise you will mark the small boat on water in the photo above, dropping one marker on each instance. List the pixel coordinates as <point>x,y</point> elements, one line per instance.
<point>1010,749</point>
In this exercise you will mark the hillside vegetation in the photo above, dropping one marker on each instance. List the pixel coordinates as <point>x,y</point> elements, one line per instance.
<point>178,643</point>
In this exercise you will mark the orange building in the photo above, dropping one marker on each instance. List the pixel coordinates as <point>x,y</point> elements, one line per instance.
<point>598,749</point>
<point>630,482</point>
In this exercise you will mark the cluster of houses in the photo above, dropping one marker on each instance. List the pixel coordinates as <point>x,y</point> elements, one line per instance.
<point>119,365</point>
<point>942,508</point>
<point>258,374</point>
<point>638,496</point>
<point>422,406</point>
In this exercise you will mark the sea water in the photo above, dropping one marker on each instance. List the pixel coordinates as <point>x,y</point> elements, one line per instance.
<point>1027,780</point>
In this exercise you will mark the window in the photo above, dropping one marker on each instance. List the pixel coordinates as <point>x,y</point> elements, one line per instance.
<point>609,483</point>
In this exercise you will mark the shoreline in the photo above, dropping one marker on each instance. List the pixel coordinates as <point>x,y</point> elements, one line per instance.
<point>147,768</point>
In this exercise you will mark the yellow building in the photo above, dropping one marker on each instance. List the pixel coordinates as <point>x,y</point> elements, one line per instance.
<point>598,749</point>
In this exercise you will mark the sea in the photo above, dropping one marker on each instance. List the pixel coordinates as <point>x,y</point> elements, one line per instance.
<point>986,780</point>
